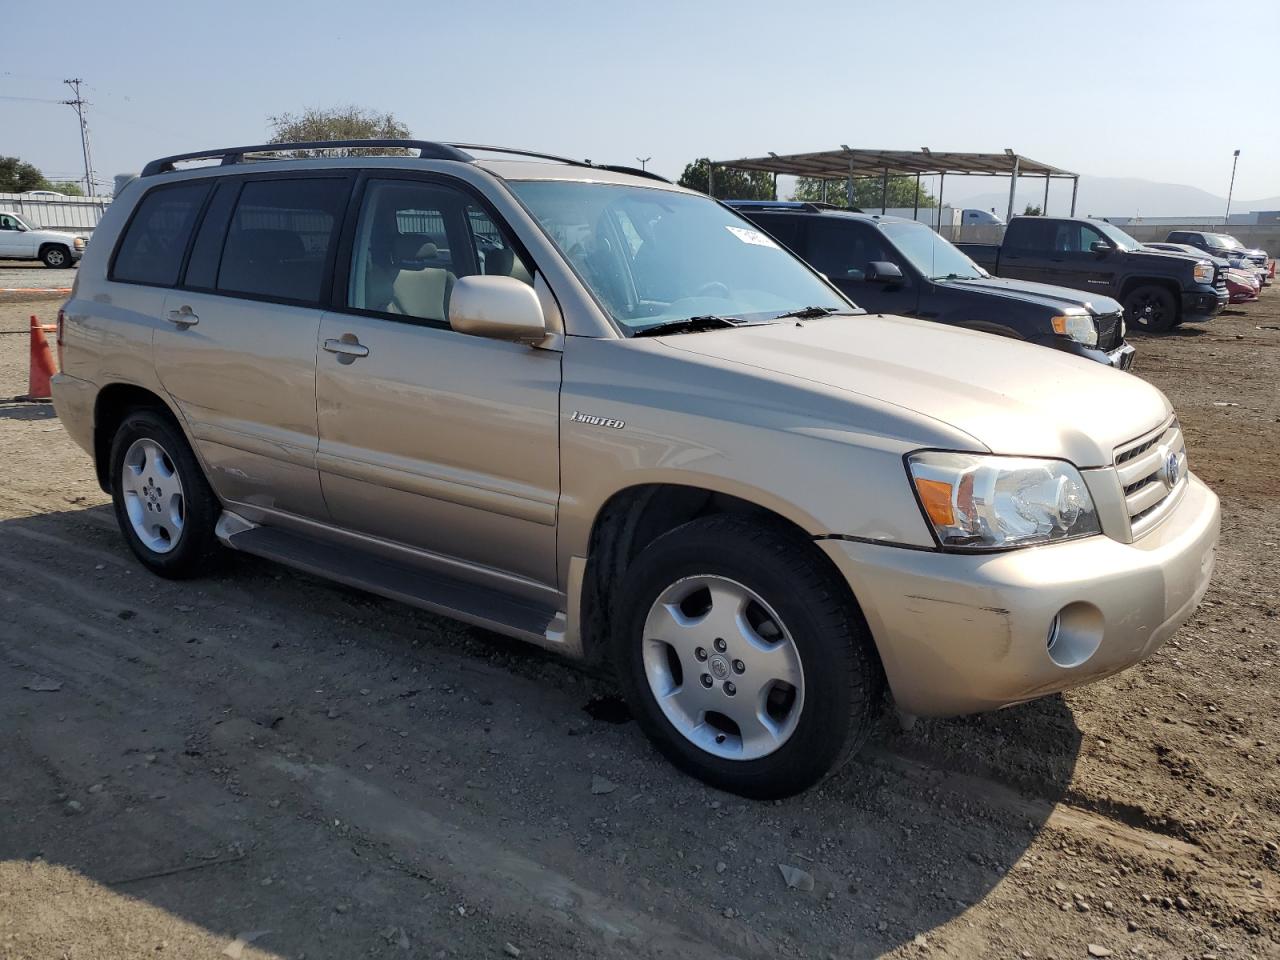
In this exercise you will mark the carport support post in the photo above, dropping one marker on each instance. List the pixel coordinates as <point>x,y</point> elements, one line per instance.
<point>711,179</point>
<point>942,185</point>
<point>884,190</point>
<point>824,189</point>
<point>848,187</point>
<point>915,206</point>
<point>1075,185</point>
<point>1013,185</point>
<point>1044,210</point>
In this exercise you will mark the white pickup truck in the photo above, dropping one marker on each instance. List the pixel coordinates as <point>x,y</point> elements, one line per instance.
<point>21,241</point>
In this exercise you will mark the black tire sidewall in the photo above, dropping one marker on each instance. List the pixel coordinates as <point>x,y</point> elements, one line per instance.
<point>1171,310</point>
<point>841,675</point>
<point>66,255</point>
<point>197,546</point>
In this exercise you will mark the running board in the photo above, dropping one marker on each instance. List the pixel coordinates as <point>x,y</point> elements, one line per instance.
<point>447,596</point>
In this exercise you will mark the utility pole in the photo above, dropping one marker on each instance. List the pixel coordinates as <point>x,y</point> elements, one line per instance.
<point>642,161</point>
<point>79,103</point>
<point>1235,158</point>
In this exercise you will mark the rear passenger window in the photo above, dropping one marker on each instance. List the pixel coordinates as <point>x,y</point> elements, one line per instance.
<point>278,239</point>
<point>155,241</point>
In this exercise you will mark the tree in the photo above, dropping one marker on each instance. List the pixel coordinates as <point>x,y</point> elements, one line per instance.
<point>729,184</point>
<point>1033,210</point>
<point>69,187</point>
<point>866,192</point>
<point>338,123</point>
<point>18,176</point>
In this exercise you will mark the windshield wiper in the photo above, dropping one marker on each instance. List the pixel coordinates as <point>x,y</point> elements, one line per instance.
<point>807,313</point>
<point>690,325</point>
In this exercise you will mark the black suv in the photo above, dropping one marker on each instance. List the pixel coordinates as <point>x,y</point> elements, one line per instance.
<point>891,265</point>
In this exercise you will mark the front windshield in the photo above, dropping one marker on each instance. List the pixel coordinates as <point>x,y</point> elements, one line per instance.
<point>931,254</point>
<point>654,256</point>
<point>1119,239</point>
<point>1225,241</point>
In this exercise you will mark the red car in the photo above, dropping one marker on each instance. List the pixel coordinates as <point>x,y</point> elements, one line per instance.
<point>1242,287</point>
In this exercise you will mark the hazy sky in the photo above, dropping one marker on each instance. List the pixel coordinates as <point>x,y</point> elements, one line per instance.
<point>1161,90</point>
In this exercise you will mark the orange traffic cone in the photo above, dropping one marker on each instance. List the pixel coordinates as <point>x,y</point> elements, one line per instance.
<point>42,366</point>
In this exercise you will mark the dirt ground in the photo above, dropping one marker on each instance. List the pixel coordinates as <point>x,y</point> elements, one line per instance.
<point>262,764</point>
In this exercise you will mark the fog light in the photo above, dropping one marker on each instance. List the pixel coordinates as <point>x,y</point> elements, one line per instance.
<point>1075,634</point>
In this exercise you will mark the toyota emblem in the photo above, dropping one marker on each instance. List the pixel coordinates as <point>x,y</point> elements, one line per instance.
<point>1172,470</point>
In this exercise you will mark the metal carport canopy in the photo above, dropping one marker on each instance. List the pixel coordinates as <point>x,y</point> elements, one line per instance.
<point>849,164</point>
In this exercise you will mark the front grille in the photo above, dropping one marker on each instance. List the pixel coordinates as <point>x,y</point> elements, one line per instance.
<point>1143,468</point>
<point>1108,331</point>
<point>1220,277</point>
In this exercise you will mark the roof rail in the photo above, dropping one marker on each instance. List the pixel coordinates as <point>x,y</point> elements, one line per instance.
<point>427,150</point>
<point>812,206</point>
<point>519,152</point>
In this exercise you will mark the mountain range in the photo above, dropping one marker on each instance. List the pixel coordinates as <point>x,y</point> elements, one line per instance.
<point>1107,197</point>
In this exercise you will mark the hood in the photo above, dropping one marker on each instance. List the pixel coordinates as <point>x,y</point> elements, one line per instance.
<point>1179,260</point>
<point>54,233</point>
<point>1044,294</point>
<point>1011,397</point>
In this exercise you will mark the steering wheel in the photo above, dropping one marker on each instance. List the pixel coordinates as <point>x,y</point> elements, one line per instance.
<point>713,289</point>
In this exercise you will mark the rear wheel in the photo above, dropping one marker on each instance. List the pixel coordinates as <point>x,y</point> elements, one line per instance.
<point>56,257</point>
<point>743,657</point>
<point>1151,309</point>
<point>163,503</point>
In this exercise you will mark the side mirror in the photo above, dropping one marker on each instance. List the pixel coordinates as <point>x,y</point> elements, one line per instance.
<point>882,271</point>
<point>1101,246</point>
<point>500,308</point>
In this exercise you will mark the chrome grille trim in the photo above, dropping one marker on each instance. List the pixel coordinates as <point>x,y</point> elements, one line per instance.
<point>1141,466</point>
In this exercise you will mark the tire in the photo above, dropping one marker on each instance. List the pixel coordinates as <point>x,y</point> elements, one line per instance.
<point>57,257</point>
<point>163,503</point>
<point>798,613</point>
<point>1151,309</point>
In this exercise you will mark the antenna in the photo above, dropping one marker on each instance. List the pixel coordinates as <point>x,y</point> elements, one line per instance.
<point>80,103</point>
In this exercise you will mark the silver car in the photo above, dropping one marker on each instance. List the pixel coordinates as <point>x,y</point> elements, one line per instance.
<point>582,406</point>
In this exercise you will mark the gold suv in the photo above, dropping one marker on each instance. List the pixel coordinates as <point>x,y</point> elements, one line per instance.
<point>582,406</point>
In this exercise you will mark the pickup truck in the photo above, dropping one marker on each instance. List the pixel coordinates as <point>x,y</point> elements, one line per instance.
<point>21,241</point>
<point>892,265</point>
<point>1158,290</point>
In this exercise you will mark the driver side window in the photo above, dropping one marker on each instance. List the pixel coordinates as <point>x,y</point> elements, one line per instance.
<point>8,223</point>
<point>845,251</point>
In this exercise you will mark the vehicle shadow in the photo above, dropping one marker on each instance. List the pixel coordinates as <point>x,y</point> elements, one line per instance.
<point>26,410</point>
<point>262,750</point>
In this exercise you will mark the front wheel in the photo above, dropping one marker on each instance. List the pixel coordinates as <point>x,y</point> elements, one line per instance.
<point>744,658</point>
<point>163,503</point>
<point>56,257</point>
<point>1151,309</point>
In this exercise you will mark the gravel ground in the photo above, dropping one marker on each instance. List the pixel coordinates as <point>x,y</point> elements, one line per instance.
<point>32,275</point>
<point>266,758</point>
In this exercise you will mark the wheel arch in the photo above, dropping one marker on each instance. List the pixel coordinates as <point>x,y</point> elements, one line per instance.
<point>635,516</point>
<point>1168,283</point>
<point>114,402</point>
<point>46,244</point>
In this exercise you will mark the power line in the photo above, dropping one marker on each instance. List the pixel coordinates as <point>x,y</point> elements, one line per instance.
<point>79,103</point>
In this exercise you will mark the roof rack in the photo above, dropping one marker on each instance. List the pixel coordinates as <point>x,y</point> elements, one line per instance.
<point>812,206</point>
<point>427,150</point>
<point>519,152</point>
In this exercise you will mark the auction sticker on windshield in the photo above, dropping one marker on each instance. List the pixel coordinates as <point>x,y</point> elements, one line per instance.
<point>751,236</point>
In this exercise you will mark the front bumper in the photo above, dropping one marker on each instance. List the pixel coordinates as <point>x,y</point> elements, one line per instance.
<point>1121,357</point>
<point>1203,303</point>
<point>964,633</point>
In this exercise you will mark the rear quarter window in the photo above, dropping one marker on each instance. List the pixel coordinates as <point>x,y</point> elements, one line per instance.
<point>156,238</point>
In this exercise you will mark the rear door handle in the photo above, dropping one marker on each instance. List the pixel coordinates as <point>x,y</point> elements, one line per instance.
<point>347,350</point>
<point>182,317</point>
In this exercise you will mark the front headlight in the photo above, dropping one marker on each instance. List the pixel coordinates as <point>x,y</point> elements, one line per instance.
<point>1203,272</point>
<point>980,502</point>
<point>1077,325</point>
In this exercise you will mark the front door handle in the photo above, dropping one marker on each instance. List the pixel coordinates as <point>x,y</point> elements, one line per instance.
<point>182,317</point>
<point>348,348</point>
